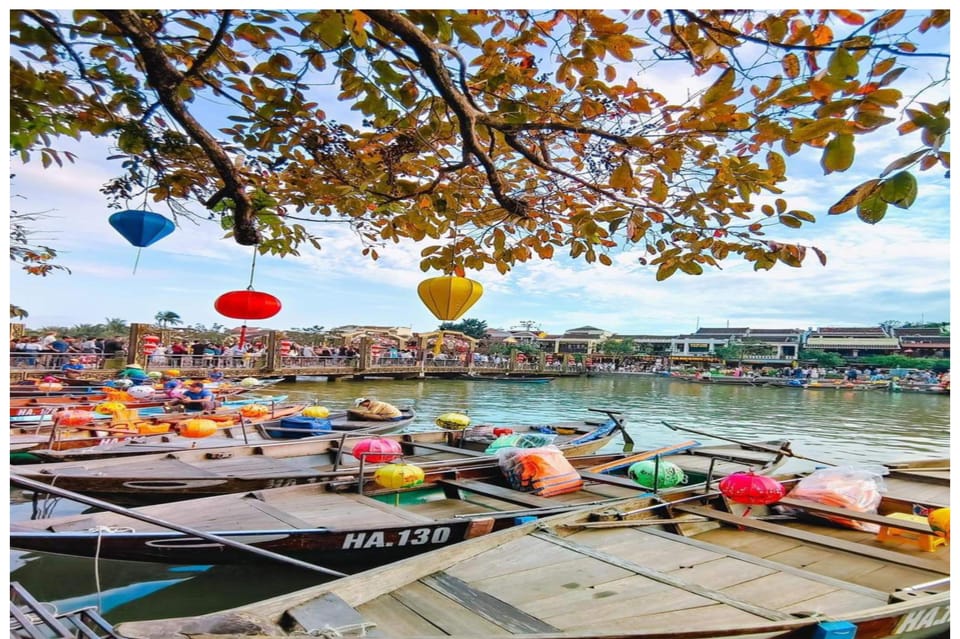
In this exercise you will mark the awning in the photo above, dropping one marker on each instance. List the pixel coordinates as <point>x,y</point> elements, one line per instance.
<point>852,342</point>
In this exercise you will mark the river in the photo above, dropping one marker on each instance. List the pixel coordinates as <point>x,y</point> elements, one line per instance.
<point>835,426</point>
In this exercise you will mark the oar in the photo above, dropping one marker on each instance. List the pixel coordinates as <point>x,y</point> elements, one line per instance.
<point>628,443</point>
<point>626,461</point>
<point>783,450</point>
<point>97,503</point>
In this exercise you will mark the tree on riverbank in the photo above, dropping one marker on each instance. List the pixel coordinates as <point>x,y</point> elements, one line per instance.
<point>499,136</point>
<point>167,318</point>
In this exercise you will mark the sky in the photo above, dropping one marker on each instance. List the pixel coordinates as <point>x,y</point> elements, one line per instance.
<point>896,270</point>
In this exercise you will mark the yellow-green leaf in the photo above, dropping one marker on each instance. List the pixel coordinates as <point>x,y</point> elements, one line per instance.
<point>843,65</point>
<point>900,190</point>
<point>721,90</point>
<point>790,221</point>
<point>666,270</point>
<point>658,190</point>
<point>838,154</point>
<point>872,210</point>
<point>691,268</point>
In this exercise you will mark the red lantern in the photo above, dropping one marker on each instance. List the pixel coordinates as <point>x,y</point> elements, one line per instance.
<point>377,450</point>
<point>285,347</point>
<point>498,431</point>
<point>247,304</point>
<point>751,489</point>
<point>74,417</point>
<point>150,343</point>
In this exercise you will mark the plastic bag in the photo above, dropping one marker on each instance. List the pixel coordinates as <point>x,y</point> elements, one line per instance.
<point>542,471</point>
<point>520,440</point>
<point>857,489</point>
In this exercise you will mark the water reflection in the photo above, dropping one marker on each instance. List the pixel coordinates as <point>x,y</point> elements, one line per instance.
<point>837,426</point>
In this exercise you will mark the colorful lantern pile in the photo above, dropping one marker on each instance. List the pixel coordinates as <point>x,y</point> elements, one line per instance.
<point>448,297</point>
<point>396,476</point>
<point>377,450</point>
<point>751,489</point>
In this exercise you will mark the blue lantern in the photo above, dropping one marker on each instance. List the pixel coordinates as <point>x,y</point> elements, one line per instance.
<point>141,228</point>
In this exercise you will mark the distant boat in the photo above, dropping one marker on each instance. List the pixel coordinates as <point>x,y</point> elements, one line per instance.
<point>520,379</point>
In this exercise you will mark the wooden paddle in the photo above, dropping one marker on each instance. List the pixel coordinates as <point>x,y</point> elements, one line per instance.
<point>626,461</point>
<point>784,450</point>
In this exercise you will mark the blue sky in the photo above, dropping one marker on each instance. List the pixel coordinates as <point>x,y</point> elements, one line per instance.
<point>898,269</point>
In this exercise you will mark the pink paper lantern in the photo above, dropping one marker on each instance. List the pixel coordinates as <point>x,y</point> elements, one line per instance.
<point>377,450</point>
<point>748,488</point>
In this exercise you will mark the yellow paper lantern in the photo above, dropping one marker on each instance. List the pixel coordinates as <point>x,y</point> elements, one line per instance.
<point>110,408</point>
<point>320,412</point>
<point>453,421</point>
<point>448,297</point>
<point>254,410</point>
<point>198,428</point>
<point>398,476</point>
<point>939,521</point>
<point>172,372</point>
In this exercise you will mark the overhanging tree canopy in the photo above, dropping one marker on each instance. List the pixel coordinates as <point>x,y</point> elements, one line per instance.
<point>497,135</point>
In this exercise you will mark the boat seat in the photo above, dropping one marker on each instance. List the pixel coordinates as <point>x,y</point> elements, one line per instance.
<point>924,541</point>
<point>499,492</point>
<point>332,614</point>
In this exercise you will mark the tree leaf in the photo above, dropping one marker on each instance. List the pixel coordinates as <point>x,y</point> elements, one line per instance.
<point>838,154</point>
<point>854,197</point>
<point>791,66</point>
<point>900,190</point>
<point>872,210</point>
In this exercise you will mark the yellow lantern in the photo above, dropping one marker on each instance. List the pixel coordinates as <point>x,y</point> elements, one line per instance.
<point>254,410</point>
<point>448,297</point>
<point>939,521</point>
<point>398,476</point>
<point>453,421</point>
<point>109,408</point>
<point>198,428</point>
<point>320,412</point>
<point>172,372</point>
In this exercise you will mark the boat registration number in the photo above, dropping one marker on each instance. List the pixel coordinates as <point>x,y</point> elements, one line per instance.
<point>923,619</point>
<point>408,537</point>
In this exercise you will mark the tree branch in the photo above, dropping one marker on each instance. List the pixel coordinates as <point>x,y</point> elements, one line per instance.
<point>165,80</point>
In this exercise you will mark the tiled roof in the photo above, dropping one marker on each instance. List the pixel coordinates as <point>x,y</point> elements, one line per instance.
<point>853,342</point>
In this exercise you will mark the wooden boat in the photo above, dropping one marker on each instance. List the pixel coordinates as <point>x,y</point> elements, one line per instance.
<point>515,379</point>
<point>184,473</point>
<point>164,432</point>
<point>742,380</point>
<point>324,524</point>
<point>36,410</point>
<point>930,389</point>
<point>684,566</point>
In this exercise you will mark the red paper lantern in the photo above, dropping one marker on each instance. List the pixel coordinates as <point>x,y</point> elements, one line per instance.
<point>377,450</point>
<point>285,347</point>
<point>150,343</point>
<point>748,488</point>
<point>247,305</point>
<point>74,417</point>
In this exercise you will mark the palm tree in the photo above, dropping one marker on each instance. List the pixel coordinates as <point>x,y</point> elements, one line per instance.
<point>115,326</point>
<point>167,318</point>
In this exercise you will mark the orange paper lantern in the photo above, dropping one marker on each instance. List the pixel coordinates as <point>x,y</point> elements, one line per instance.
<point>74,417</point>
<point>198,428</point>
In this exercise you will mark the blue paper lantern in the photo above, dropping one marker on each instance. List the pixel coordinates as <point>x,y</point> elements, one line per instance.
<point>141,228</point>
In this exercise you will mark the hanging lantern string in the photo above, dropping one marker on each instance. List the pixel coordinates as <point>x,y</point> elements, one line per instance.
<point>253,267</point>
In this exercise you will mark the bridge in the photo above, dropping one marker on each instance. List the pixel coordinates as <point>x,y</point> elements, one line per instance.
<point>367,364</point>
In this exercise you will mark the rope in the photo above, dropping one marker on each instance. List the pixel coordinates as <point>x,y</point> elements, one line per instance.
<point>329,632</point>
<point>96,557</point>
